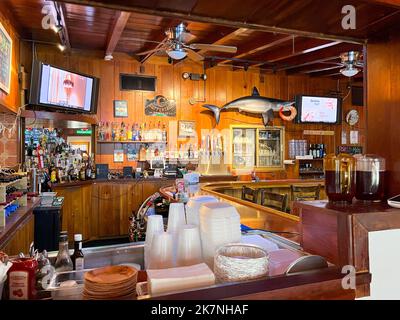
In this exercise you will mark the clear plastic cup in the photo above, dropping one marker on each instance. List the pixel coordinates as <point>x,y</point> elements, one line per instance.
<point>155,224</point>
<point>161,252</point>
<point>189,246</point>
<point>176,217</point>
<point>193,207</point>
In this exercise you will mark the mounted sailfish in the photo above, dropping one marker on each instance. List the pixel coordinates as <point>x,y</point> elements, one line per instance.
<point>253,104</point>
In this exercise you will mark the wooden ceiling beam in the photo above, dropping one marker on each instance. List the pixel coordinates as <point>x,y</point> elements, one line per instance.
<point>259,48</point>
<point>189,15</point>
<point>226,38</point>
<point>319,70</point>
<point>120,20</point>
<point>314,66</point>
<point>319,56</point>
<point>304,47</point>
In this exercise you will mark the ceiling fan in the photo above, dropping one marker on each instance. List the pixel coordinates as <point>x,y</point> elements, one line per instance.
<point>351,60</point>
<point>177,47</point>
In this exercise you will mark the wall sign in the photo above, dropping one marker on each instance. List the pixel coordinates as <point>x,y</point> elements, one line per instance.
<point>160,106</point>
<point>120,108</point>
<point>318,133</point>
<point>350,149</point>
<point>5,59</point>
<point>186,129</point>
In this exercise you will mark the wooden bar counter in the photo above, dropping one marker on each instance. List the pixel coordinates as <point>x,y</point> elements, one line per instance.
<point>339,232</point>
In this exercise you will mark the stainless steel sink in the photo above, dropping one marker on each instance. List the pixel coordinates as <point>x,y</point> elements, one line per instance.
<point>97,257</point>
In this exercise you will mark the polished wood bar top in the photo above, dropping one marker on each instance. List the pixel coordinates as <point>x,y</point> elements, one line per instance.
<point>356,207</point>
<point>133,180</point>
<point>17,220</point>
<point>254,215</point>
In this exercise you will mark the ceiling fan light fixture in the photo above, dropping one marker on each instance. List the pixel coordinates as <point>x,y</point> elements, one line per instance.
<point>349,71</point>
<point>177,54</point>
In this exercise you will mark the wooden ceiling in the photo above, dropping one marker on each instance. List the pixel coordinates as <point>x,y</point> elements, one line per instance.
<point>274,35</point>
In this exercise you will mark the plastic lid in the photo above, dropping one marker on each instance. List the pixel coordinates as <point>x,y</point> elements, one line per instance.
<point>78,237</point>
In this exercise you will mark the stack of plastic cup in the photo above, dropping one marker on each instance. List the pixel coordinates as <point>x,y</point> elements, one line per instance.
<point>189,246</point>
<point>219,225</point>
<point>176,217</point>
<point>155,225</point>
<point>176,220</point>
<point>160,256</point>
<point>193,207</point>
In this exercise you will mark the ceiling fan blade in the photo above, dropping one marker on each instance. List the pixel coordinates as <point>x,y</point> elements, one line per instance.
<point>186,37</point>
<point>149,51</point>
<point>213,47</point>
<point>193,55</point>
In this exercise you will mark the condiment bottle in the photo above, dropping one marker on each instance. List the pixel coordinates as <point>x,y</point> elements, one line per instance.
<point>22,279</point>
<point>78,257</point>
<point>63,261</point>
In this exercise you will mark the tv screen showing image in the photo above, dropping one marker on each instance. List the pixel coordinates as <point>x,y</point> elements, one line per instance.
<point>315,109</point>
<point>63,89</point>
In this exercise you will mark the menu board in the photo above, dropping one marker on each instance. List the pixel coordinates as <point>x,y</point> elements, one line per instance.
<point>319,109</point>
<point>5,59</point>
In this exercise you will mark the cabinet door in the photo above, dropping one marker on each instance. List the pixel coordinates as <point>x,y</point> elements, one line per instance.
<point>244,148</point>
<point>108,213</point>
<point>270,148</point>
<point>76,212</point>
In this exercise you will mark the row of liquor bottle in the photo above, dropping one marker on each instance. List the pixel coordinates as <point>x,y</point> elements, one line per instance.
<point>114,131</point>
<point>318,151</point>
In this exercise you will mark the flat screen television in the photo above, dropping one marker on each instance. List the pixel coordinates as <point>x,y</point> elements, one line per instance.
<point>318,109</point>
<point>56,88</point>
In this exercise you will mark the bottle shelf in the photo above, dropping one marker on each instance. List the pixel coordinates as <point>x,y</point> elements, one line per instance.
<point>137,142</point>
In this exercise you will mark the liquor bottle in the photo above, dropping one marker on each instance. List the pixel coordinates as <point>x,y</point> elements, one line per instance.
<point>63,261</point>
<point>159,132</point>
<point>144,132</point>
<point>88,169</point>
<point>140,133</point>
<point>78,258</point>
<point>128,133</point>
<point>82,172</point>
<point>113,136</point>
<point>93,168</point>
<point>164,133</point>
<point>134,135</point>
<point>310,151</point>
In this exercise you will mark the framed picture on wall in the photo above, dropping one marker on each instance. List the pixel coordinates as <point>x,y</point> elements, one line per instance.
<point>118,155</point>
<point>186,129</point>
<point>5,59</point>
<point>120,109</point>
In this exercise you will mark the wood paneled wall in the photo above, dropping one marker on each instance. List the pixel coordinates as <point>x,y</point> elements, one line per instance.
<point>222,86</point>
<point>11,101</point>
<point>383,100</point>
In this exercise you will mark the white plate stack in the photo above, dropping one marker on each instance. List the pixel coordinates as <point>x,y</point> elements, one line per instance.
<point>219,225</point>
<point>193,207</point>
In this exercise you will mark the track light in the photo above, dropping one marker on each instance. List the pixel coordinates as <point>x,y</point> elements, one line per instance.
<point>61,47</point>
<point>57,28</point>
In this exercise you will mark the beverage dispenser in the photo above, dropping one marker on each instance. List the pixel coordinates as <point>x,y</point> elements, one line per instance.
<point>370,177</point>
<point>340,177</point>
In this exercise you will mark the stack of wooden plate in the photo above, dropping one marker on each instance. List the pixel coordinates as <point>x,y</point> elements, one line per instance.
<point>110,283</point>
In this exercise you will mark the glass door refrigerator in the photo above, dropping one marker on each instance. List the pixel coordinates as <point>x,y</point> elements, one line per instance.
<point>243,148</point>
<point>257,147</point>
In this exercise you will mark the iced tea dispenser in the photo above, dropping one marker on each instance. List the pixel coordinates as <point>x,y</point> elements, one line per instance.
<point>340,177</point>
<point>370,177</point>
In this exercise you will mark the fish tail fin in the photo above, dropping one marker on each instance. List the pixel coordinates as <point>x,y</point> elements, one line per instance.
<point>215,110</point>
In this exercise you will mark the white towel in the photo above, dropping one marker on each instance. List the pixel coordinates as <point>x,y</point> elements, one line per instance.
<point>179,279</point>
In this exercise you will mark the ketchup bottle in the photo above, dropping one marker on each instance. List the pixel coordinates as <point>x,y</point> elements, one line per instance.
<point>22,279</point>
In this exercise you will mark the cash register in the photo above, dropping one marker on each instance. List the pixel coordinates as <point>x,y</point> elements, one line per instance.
<point>158,165</point>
